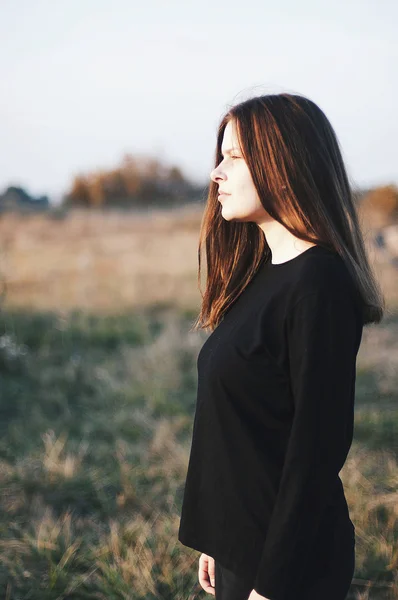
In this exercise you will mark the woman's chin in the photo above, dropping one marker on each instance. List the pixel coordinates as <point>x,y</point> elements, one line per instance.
<point>230,215</point>
<point>227,215</point>
<point>226,212</point>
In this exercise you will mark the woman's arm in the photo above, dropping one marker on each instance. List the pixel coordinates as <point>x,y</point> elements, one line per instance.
<point>323,333</point>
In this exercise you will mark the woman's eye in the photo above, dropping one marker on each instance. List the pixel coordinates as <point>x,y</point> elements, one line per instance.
<point>230,156</point>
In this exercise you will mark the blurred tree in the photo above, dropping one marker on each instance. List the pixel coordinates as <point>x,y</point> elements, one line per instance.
<point>16,198</point>
<point>139,180</point>
<point>79,194</point>
<point>379,207</point>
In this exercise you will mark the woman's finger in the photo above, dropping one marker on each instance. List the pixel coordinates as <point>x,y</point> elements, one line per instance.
<point>203,574</point>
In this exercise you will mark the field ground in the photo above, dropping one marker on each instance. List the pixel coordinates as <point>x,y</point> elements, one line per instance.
<point>98,384</point>
<point>111,261</point>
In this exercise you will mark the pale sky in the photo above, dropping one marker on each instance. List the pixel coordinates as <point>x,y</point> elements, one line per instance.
<point>84,81</point>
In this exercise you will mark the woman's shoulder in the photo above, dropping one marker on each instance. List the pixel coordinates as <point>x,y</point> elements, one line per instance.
<point>324,273</point>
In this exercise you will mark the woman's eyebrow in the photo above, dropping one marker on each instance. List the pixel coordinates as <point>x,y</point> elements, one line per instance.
<point>229,151</point>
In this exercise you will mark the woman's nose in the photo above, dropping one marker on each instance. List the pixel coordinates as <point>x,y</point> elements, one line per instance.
<point>215,176</point>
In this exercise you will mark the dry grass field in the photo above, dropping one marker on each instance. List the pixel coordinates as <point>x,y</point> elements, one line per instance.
<point>110,261</point>
<point>97,261</point>
<point>98,386</point>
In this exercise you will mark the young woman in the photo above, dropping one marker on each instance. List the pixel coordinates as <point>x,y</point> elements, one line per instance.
<point>289,289</point>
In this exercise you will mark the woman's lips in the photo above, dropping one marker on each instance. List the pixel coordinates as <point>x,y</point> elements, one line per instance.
<point>223,194</point>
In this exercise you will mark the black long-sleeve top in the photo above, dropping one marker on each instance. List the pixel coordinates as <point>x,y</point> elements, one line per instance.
<point>274,424</point>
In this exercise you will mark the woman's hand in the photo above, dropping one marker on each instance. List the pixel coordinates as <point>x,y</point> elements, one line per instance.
<point>206,574</point>
<point>255,596</point>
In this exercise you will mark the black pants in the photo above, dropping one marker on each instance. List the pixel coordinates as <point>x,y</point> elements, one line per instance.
<point>335,586</point>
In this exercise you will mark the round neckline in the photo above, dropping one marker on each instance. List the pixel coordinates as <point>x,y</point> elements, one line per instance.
<point>291,260</point>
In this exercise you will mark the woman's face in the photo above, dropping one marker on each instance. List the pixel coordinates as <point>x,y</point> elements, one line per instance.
<point>233,177</point>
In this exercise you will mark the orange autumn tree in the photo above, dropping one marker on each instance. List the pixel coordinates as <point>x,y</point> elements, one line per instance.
<point>136,182</point>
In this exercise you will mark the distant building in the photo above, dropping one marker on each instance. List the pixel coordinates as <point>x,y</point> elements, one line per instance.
<point>15,198</point>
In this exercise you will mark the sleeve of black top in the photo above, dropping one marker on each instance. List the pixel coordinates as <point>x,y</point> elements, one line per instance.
<point>322,334</point>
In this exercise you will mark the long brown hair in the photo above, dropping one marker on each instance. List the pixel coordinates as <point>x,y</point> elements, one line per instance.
<point>297,168</point>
